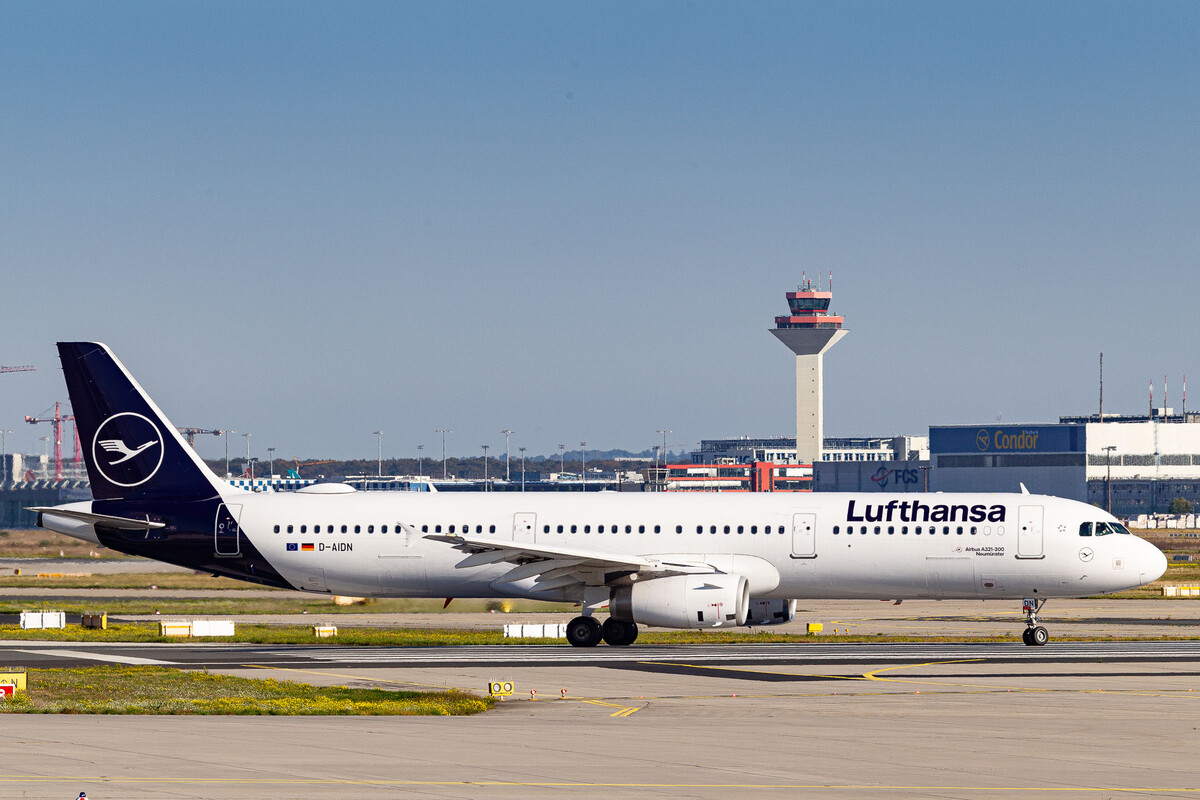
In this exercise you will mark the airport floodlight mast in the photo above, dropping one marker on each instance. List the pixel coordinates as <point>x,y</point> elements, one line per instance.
<point>583,470</point>
<point>562,459</point>
<point>443,432</point>
<point>1108,470</point>
<point>664,432</point>
<point>522,449</point>
<point>247,435</point>
<point>271,453</point>
<point>379,434</point>
<point>507,473</point>
<point>227,432</point>
<point>808,331</point>
<point>420,447</point>
<point>486,487</point>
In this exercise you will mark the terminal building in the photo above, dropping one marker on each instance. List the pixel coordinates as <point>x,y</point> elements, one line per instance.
<point>1134,465</point>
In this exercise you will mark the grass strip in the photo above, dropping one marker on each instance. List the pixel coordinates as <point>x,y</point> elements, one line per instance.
<point>454,637</point>
<point>160,690</point>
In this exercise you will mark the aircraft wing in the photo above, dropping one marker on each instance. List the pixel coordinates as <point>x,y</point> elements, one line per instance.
<point>559,566</point>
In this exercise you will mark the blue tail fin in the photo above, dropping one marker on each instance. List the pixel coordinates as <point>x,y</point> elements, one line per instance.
<point>131,449</point>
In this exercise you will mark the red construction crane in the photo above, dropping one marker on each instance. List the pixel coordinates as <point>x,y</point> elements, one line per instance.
<point>57,421</point>
<point>190,434</point>
<point>26,368</point>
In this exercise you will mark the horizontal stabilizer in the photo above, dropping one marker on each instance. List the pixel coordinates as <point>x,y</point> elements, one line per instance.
<point>120,523</point>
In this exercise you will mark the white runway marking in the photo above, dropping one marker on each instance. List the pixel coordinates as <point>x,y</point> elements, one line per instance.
<point>96,656</point>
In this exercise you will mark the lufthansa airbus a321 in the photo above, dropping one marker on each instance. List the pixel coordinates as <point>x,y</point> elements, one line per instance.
<point>683,560</point>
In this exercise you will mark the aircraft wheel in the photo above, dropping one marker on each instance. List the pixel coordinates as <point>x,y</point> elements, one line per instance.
<point>1038,636</point>
<point>584,632</point>
<point>1025,637</point>
<point>618,633</point>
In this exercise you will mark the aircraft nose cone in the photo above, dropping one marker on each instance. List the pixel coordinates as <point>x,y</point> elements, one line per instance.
<point>1154,563</point>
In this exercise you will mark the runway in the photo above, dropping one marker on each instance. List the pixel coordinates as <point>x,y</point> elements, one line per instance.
<point>215,656</point>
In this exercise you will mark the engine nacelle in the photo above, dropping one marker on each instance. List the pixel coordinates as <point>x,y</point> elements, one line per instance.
<point>771,612</point>
<point>684,601</point>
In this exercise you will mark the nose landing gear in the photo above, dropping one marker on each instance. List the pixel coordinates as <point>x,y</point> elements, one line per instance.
<point>1034,634</point>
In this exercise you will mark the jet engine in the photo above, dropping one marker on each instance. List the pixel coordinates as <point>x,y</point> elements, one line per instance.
<point>771,612</point>
<point>684,601</point>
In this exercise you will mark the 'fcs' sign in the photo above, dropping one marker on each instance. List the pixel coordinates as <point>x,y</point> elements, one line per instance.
<point>884,477</point>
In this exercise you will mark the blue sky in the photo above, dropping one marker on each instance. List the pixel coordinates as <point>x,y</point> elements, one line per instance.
<point>311,221</point>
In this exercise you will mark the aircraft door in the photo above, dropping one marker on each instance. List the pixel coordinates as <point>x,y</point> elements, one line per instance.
<point>804,535</point>
<point>1029,534</point>
<point>524,526</point>
<point>226,533</point>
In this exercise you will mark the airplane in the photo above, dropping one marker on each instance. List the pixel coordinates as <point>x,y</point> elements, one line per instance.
<point>686,560</point>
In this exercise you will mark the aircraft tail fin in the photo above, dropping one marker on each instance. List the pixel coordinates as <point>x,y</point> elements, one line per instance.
<point>131,449</point>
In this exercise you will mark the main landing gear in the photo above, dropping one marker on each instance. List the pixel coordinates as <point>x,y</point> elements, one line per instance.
<point>587,632</point>
<point>1034,634</point>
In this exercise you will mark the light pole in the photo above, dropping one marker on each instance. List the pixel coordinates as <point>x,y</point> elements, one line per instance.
<point>227,452</point>
<point>443,432</point>
<point>420,447</point>
<point>522,449</point>
<point>4,458</point>
<point>486,488</point>
<point>251,462</point>
<point>247,435</point>
<point>562,460</point>
<point>507,474</point>
<point>271,453</point>
<point>1108,477</point>
<point>583,471</point>
<point>664,432</point>
<point>379,471</point>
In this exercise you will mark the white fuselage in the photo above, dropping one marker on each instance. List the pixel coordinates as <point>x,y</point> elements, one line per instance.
<point>788,545</point>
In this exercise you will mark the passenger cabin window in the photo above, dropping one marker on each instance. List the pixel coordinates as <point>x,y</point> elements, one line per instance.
<point>370,529</point>
<point>289,528</point>
<point>679,529</point>
<point>304,529</point>
<point>277,529</point>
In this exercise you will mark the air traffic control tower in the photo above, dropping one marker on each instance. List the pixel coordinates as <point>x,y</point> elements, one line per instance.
<point>808,332</point>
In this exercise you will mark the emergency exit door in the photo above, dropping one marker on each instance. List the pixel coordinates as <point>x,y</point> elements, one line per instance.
<point>804,535</point>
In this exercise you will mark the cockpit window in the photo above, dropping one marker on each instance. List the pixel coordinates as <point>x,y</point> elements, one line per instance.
<point>1105,528</point>
<point>1085,529</point>
<point>1119,528</point>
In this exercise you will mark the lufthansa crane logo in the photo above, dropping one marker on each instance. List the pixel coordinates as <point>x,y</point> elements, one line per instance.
<point>982,439</point>
<point>127,449</point>
<point>1086,554</point>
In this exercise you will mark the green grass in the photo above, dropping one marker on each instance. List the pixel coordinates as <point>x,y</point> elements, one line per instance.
<point>159,690</point>
<point>451,637</point>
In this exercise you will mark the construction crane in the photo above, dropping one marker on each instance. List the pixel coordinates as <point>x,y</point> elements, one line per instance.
<point>57,422</point>
<point>190,434</point>
<point>295,473</point>
<point>26,368</point>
